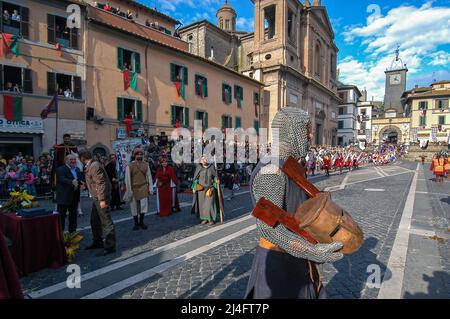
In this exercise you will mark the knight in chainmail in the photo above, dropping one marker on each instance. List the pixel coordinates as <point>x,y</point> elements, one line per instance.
<point>284,265</point>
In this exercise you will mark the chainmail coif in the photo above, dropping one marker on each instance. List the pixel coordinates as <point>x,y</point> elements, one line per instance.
<point>270,183</point>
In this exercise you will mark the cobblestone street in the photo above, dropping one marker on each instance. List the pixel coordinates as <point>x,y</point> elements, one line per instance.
<point>178,258</point>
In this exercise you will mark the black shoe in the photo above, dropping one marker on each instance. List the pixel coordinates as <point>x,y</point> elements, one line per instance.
<point>141,222</point>
<point>94,246</point>
<point>105,252</point>
<point>136,223</point>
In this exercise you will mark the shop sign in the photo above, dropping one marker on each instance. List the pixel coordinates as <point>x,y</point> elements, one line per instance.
<point>27,125</point>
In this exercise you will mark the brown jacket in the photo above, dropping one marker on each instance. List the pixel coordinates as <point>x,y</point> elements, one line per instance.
<point>98,182</point>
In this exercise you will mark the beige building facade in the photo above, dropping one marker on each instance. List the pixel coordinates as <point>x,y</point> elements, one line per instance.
<point>91,64</point>
<point>156,106</point>
<point>38,72</point>
<point>292,51</point>
<point>430,112</point>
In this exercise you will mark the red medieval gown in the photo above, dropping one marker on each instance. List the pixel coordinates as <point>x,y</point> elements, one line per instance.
<point>165,200</point>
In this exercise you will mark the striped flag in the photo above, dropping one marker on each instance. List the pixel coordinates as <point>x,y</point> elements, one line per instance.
<point>52,107</point>
<point>12,107</point>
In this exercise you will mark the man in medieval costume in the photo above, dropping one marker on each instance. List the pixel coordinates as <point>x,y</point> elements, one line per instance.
<point>205,201</point>
<point>165,179</point>
<point>284,265</point>
<point>139,185</point>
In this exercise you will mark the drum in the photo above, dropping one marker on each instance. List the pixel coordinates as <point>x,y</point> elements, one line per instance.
<point>327,222</point>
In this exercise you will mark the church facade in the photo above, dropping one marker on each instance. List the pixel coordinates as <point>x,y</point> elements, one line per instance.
<point>292,51</point>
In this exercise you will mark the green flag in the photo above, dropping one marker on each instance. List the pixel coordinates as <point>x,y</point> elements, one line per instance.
<point>133,81</point>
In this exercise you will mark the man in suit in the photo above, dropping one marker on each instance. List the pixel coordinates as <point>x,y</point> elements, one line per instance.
<point>69,180</point>
<point>99,187</point>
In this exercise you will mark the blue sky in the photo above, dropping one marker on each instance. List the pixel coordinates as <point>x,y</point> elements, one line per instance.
<point>366,33</point>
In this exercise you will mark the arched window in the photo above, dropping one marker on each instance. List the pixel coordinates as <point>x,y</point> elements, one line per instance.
<point>317,62</point>
<point>221,23</point>
<point>233,24</point>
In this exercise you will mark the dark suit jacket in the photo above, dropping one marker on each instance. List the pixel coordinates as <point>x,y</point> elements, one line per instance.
<point>97,181</point>
<point>65,191</point>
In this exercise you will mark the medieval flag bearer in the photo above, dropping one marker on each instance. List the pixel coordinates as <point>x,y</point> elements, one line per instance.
<point>139,185</point>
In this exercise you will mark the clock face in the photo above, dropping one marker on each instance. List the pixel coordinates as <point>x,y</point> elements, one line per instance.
<point>395,79</point>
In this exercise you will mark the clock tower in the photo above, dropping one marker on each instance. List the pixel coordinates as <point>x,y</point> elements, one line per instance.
<point>395,84</point>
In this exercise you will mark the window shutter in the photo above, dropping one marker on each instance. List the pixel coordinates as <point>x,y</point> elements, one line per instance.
<point>236,91</point>
<point>241,93</point>
<point>238,122</point>
<point>230,95</point>
<point>256,126</point>
<point>139,110</point>
<point>205,87</point>
<point>186,116</point>
<point>173,72</point>
<point>223,122</point>
<point>137,62</point>
<point>223,92</point>
<point>120,114</point>
<point>174,115</point>
<point>77,87</point>
<point>205,120</point>
<point>197,115</point>
<point>24,22</point>
<point>120,58</point>
<point>51,83</point>
<point>51,29</point>
<point>27,83</point>
<point>74,38</point>
<point>185,75</point>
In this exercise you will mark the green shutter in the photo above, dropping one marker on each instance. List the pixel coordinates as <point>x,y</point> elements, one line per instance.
<point>205,120</point>
<point>186,116</point>
<point>185,75</point>
<point>139,110</point>
<point>256,126</point>
<point>223,122</point>
<point>173,72</point>
<point>137,62</point>
<point>174,115</point>
<point>230,95</point>
<point>236,91</point>
<point>242,93</point>
<point>205,87</point>
<point>120,115</point>
<point>238,122</point>
<point>120,58</point>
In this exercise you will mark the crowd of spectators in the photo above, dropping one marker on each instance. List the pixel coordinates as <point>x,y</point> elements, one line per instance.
<point>33,174</point>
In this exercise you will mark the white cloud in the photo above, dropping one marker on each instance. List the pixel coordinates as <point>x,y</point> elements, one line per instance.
<point>440,58</point>
<point>245,24</point>
<point>420,31</point>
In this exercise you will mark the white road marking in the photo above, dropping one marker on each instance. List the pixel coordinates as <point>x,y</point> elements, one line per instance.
<point>378,171</point>
<point>121,285</point>
<point>422,232</point>
<point>136,258</point>
<point>392,288</point>
<point>182,205</point>
<point>375,190</point>
<point>344,182</point>
<point>437,194</point>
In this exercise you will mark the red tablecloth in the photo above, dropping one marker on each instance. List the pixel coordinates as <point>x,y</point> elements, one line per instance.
<point>38,242</point>
<point>9,279</point>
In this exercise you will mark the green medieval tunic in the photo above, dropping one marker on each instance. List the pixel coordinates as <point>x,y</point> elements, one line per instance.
<point>206,208</point>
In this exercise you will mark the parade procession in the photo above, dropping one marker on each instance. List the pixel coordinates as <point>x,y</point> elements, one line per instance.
<point>251,150</point>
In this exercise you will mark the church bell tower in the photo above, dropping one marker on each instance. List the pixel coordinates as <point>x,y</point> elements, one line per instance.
<point>395,84</point>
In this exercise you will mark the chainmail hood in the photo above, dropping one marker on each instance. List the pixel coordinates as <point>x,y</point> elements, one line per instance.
<point>292,125</point>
